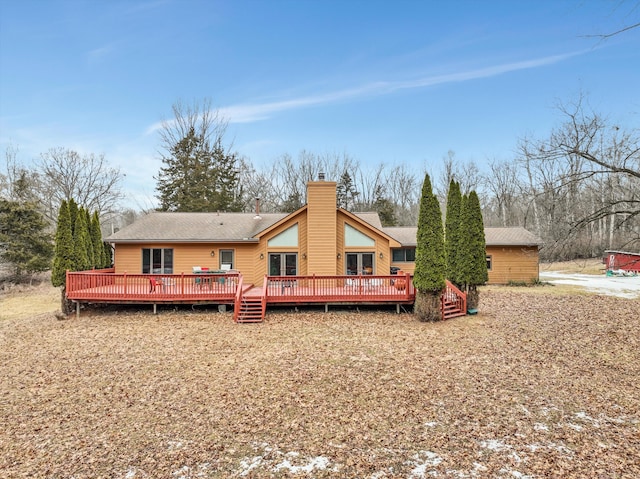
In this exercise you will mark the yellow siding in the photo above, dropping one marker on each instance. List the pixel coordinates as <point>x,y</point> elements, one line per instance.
<point>321,227</point>
<point>128,257</point>
<point>510,263</point>
<point>513,263</point>
<point>405,267</point>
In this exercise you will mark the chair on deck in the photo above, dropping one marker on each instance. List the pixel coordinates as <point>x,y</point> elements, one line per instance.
<point>153,282</point>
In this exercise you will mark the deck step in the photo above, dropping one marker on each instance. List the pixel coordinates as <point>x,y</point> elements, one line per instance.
<point>251,311</point>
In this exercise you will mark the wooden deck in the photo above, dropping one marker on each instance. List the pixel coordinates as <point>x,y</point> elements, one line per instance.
<point>105,286</point>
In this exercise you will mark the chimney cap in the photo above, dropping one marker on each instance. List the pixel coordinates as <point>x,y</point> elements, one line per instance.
<point>321,176</point>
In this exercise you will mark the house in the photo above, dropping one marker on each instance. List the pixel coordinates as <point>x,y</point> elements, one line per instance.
<point>319,254</point>
<point>318,239</point>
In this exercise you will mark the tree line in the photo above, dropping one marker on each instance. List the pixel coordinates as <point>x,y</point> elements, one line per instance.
<point>578,188</point>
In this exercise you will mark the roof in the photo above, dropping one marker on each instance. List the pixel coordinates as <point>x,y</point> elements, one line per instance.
<point>187,227</point>
<point>406,235</point>
<point>516,236</point>
<point>196,227</point>
<point>609,251</point>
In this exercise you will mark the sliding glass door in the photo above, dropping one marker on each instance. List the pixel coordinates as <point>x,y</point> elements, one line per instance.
<point>359,263</point>
<point>283,264</point>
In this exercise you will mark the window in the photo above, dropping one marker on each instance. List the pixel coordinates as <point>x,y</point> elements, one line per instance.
<point>359,263</point>
<point>226,259</point>
<point>288,237</point>
<point>157,260</point>
<point>489,262</point>
<point>403,255</point>
<point>353,237</point>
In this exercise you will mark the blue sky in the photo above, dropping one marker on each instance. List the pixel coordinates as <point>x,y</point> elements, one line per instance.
<point>382,81</point>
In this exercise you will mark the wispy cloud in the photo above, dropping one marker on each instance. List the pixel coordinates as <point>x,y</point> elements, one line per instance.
<point>251,112</point>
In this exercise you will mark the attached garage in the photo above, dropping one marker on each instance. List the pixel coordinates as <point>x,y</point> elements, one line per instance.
<point>512,255</point>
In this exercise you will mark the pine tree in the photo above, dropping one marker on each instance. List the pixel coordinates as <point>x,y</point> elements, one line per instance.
<point>429,274</point>
<point>24,242</point>
<point>63,258</point>
<point>346,193</point>
<point>453,231</point>
<point>197,176</point>
<point>385,208</point>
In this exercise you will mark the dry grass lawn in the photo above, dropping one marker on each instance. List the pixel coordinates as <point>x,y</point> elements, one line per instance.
<point>534,386</point>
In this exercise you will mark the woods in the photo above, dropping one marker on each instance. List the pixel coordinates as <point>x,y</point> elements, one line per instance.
<point>577,188</point>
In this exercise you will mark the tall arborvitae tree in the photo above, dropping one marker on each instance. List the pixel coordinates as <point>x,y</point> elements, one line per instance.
<point>96,241</point>
<point>81,243</point>
<point>429,274</point>
<point>107,255</point>
<point>453,231</point>
<point>90,253</point>
<point>476,273</point>
<point>24,242</point>
<point>73,213</point>
<point>64,256</point>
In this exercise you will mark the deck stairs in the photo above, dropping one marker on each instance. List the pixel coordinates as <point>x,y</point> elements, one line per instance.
<point>453,302</point>
<point>251,309</point>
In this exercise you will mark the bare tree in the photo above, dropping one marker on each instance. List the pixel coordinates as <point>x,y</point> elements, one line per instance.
<point>63,174</point>
<point>585,179</point>
<point>503,198</point>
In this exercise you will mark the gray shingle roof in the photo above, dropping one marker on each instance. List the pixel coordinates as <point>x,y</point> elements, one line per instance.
<point>194,227</point>
<point>515,236</point>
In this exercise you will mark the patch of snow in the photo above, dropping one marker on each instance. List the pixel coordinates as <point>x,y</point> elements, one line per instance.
<point>131,473</point>
<point>431,424</point>
<point>186,472</point>
<point>319,463</point>
<point>621,286</point>
<point>494,445</point>
<point>540,427</point>
<point>517,474</point>
<point>248,465</point>
<point>421,461</point>
<point>576,427</point>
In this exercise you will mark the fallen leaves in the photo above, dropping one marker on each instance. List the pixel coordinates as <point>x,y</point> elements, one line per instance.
<point>534,386</point>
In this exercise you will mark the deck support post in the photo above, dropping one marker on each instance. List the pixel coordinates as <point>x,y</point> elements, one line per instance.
<point>155,310</point>
<point>78,309</point>
<point>326,307</point>
<point>398,308</point>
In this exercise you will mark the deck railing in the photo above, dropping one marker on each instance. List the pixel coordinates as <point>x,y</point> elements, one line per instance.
<point>453,295</point>
<point>98,286</point>
<point>320,289</point>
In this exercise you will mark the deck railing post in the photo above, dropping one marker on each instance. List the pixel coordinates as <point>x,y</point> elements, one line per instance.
<point>124,286</point>
<point>265,284</point>
<point>182,284</point>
